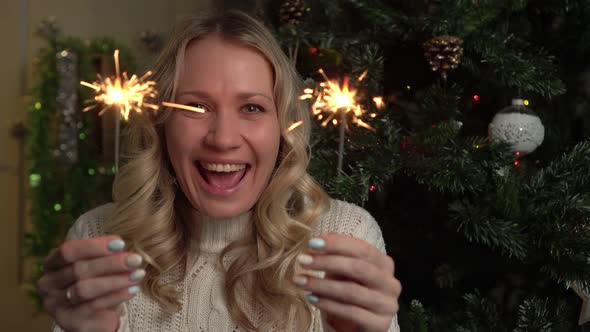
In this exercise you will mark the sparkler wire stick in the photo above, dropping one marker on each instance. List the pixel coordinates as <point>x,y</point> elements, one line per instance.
<point>117,143</point>
<point>341,143</point>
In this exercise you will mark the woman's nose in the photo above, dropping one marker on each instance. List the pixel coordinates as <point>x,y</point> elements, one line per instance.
<point>223,132</point>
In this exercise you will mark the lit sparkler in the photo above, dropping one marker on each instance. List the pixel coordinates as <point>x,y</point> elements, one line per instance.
<point>125,93</point>
<point>333,100</point>
<point>335,104</point>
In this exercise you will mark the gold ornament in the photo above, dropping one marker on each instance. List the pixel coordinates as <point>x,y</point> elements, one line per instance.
<point>293,11</point>
<point>443,53</point>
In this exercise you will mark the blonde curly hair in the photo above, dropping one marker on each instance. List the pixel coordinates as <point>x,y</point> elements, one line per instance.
<point>149,208</point>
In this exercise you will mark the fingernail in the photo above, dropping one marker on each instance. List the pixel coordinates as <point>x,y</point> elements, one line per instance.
<point>317,243</point>
<point>312,298</point>
<point>134,260</point>
<point>133,290</point>
<point>300,280</point>
<point>137,275</point>
<point>116,245</point>
<point>305,259</point>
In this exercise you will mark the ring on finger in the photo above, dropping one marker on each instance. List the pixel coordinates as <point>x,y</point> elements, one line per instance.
<point>69,296</point>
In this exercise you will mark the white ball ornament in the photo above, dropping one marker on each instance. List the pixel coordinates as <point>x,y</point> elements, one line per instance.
<point>518,126</point>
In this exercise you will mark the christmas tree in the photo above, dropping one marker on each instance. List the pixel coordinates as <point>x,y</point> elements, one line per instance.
<point>440,141</point>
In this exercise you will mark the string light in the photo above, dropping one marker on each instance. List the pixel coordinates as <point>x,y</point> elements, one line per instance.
<point>34,180</point>
<point>476,97</point>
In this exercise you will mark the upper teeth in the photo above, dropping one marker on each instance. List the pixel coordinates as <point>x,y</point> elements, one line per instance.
<point>223,167</point>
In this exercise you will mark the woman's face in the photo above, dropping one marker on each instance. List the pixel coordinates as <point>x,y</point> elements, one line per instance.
<point>224,157</point>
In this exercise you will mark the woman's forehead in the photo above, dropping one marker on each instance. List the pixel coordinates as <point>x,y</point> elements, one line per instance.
<point>215,63</point>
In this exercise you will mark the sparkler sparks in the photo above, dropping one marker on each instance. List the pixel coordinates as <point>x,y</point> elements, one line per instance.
<point>294,125</point>
<point>333,100</point>
<point>184,107</point>
<point>125,93</point>
<point>379,102</point>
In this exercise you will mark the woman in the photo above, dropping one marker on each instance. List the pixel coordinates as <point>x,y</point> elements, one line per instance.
<point>219,227</point>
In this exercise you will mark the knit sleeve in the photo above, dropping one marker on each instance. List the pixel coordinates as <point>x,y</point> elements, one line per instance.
<point>368,230</point>
<point>88,226</point>
<point>346,218</point>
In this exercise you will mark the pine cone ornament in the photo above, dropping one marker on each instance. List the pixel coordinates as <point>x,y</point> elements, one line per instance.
<point>443,53</point>
<point>293,11</point>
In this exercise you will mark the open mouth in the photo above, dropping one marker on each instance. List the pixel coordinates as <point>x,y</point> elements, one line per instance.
<point>222,176</point>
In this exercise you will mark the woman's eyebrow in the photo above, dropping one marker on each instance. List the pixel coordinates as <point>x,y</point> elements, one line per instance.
<point>200,94</point>
<point>246,95</point>
<point>241,95</point>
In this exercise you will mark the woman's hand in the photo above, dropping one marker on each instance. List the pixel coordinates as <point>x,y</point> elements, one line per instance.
<point>359,291</point>
<point>85,280</point>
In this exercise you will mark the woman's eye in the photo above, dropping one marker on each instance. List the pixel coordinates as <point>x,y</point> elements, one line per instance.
<point>251,108</point>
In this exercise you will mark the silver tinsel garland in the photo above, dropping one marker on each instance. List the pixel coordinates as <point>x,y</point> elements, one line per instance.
<point>67,103</point>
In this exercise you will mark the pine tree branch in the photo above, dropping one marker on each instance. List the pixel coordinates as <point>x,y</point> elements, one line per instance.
<point>482,314</point>
<point>510,63</point>
<point>537,315</point>
<point>477,225</point>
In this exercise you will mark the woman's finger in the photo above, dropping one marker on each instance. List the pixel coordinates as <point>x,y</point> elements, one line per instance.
<point>339,244</point>
<point>74,250</point>
<point>350,268</point>
<point>90,289</point>
<point>349,292</point>
<point>98,321</point>
<point>109,301</point>
<point>370,321</point>
<point>90,268</point>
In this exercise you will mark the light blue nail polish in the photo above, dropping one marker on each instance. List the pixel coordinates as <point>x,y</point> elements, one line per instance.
<point>137,275</point>
<point>116,245</point>
<point>317,243</point>
<point>312,298</point>
<point>133,290</point>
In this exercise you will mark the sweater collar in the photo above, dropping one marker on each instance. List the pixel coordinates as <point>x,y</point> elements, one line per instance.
<point>215,234</point>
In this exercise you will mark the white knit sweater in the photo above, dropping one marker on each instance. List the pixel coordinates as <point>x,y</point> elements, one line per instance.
<point>203,302</point>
